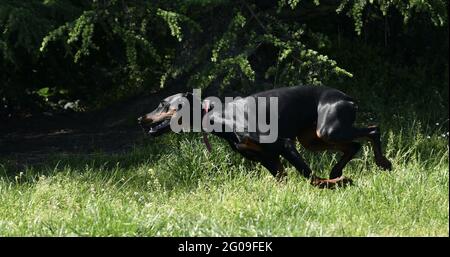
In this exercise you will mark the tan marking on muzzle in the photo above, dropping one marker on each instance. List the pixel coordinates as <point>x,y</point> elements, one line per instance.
<point>164,115</point>
<point>318,134</point>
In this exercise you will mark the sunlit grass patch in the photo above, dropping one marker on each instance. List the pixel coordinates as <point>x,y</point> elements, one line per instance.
<point>173,187</point>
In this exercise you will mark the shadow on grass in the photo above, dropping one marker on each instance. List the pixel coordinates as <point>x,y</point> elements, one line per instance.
<point>171,161</point>
<point>181,161</point>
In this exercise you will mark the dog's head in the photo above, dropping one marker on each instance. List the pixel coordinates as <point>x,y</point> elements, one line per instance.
<point>157,122</point>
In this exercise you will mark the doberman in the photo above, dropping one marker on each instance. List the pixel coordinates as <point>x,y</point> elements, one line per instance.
<point>320,118</point>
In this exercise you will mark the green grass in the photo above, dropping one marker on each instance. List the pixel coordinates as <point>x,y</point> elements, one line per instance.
<point>173,187</point>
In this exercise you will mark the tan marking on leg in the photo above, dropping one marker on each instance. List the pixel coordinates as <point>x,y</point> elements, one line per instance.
<point>309,140</point>
<point>247,144</point>
<point>331,183</point>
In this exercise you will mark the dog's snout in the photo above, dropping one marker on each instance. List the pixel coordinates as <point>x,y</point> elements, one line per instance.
<point>144,120</point>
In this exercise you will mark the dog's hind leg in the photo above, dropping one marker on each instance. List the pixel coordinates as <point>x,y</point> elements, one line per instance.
<point>373,134</point>
<point>349,150</point>
<point>335,126</point>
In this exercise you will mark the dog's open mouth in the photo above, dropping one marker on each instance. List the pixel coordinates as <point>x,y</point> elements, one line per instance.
<point>156,128</point>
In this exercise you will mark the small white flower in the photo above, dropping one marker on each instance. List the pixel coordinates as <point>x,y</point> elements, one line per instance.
<point>428,137</point>
<point>437,123</point>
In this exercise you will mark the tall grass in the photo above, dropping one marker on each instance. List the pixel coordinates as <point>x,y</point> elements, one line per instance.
<point>171,186</point>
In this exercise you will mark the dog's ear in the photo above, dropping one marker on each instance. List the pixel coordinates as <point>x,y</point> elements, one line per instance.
<point>191,97</point>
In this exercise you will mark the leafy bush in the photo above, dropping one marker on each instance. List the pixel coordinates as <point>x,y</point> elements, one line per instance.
<point>99,52</point>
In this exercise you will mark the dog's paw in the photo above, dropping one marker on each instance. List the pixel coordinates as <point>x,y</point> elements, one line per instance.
<point>344,181</point>
<point>384,163</point>
<point>331,183</point>
<point>281,177</point>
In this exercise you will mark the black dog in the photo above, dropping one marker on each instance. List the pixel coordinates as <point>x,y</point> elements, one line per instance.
<point>320,118</point>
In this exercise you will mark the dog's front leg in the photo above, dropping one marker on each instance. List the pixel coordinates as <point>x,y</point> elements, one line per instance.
<point>287,149</point>
<point>273,164</point>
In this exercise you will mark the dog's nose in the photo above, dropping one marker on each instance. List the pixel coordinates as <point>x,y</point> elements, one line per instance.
<point>144,120</point>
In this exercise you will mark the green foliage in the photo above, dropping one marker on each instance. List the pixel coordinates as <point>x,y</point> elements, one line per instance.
<point>103,51</point>
<point>172,19</point>
<point>298,64</point>
<point>82,29</point>
<point>436,10</point>
<point>24,23</point>
<point>173,187</point>
<point>129,28</point>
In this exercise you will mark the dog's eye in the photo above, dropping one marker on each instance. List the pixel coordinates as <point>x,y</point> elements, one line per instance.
<point>179,106</point>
